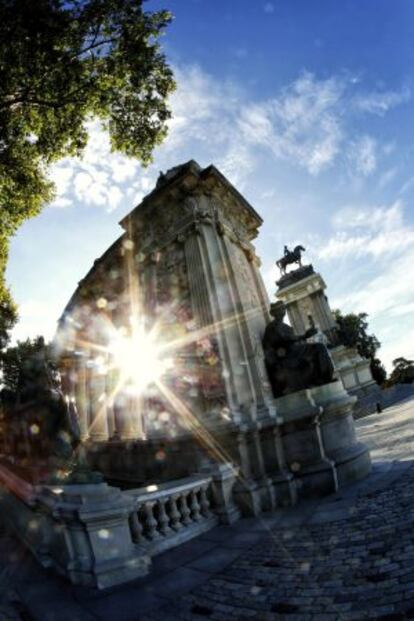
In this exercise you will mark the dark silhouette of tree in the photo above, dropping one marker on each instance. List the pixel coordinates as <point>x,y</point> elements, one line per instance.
<point>13,358</point>
<point>403,371</point>
<point>353,332</point>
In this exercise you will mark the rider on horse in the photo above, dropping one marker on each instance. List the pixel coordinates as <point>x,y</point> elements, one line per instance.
<point>290,256</point>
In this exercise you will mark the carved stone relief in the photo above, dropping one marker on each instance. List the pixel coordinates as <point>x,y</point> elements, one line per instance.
<point>250,295</point>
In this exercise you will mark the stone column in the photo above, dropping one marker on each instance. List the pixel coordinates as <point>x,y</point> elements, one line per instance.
<point>206,305</point>
<point>109,390</point>
<point>224,477</point>
<point>323,314</point>
<point>218,279</point>
<point>98,428</point>
<point>295,318</point>
<point>267,494</point>
<point>81,395</point>
<point>250,326</point>
<point>126,416</point>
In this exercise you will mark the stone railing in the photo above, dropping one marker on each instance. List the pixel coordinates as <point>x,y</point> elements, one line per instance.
<point>100,536</point>
<point>168,514</point>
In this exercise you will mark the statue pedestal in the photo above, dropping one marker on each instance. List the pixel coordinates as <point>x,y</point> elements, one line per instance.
<point>91,542</point>
<point>352,459</point>
<point>355,372</point>
<point>305,455</point>
<point>318,437</point>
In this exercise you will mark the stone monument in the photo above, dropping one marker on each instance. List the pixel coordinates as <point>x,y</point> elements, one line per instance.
<point>185,270</point>
<point>315,411</point>
<point>303,293</point>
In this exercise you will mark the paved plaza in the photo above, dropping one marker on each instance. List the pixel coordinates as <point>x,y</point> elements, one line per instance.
<point>349,556</point>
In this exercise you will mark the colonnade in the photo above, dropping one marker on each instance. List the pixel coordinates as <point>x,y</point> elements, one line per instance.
<point>104,412</point>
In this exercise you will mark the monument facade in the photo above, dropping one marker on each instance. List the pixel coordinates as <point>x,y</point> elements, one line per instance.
<point>184,278</point>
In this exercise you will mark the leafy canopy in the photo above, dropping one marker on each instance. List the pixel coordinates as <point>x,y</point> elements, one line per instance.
<point>15,357</point>
<point>61,63</point>
<point>353,332</point>
<point>403,371</point>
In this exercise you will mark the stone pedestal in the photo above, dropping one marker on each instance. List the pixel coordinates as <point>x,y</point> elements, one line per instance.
<point>351,458</point>
<point>92,543</point>
<point>303,293</point>
<point>354,371</point>
<point>305,455</point>
<point>224,477</point>
<point>319,440</point>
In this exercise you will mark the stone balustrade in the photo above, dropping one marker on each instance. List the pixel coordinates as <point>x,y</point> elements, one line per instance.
<point>97,535</point>
<point>168,514</point>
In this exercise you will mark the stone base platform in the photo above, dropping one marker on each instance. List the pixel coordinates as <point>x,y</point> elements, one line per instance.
<point>319,440</point>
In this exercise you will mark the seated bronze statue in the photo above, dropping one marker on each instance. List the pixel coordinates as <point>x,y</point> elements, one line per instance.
<point>293,364</point>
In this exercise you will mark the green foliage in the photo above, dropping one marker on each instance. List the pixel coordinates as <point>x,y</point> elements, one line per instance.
<point>403,371</point>
<point>378,371</point>
<point>14,358</point>
<point>63,62</point>
<point>353,332</point>
<point>8,315</point>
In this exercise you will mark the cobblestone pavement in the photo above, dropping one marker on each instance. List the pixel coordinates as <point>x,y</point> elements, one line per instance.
<point>346,557</point>
<point>13,559</point>
<point>353,563</point>
<point>349,557</point>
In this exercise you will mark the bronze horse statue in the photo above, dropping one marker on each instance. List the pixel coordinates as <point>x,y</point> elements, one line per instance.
<point>291,256</point>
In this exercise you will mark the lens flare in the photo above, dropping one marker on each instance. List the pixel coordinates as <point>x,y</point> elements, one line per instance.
<point>138,358</point>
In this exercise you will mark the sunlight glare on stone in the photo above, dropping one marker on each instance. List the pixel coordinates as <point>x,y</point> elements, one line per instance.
<point>138,357</point>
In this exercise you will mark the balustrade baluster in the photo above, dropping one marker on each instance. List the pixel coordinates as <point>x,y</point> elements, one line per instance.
<point>136,528</point>
<point>194,505</point>
<point>151,523</point>
<point>204,502</point>
<point>163,519</point>
<point>174,513</point>
<point>185,511</point>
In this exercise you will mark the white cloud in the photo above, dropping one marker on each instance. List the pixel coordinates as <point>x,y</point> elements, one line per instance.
<point>408,185</point>
<point>61,203</point>
<point>362,153</point>
<point>304,124</point>
<point>374,231</point>
<point>403,309</point>
<point>301,125</point>
<point>374,217</point>
<point>377,246</point>
<point>380,102</point>
<point>387,176</point>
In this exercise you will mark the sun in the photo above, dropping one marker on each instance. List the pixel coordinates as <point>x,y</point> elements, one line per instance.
<point>138,357</point>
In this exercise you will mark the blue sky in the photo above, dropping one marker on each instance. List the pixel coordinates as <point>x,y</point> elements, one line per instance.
<point>307,107</point>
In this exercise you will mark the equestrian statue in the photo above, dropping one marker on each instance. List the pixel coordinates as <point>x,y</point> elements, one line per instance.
<point>290,256</point>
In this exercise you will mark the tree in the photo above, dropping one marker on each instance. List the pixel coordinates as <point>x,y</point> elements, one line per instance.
<point>14,358</point>
<point>353,332</point>
<point>8,315</point>
<point>63,62</point>
<point>403,371</point>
